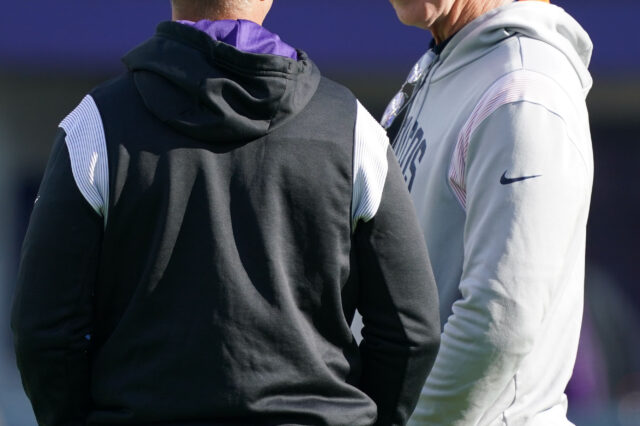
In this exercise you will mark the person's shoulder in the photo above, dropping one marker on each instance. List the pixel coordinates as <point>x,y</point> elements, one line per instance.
<point>119,102</point>
<point>364,119</point>
<point>333,99</point>
<point>532,70</point>
<point>332,87</point>
<point>546,59</point>
<point>114,87</point>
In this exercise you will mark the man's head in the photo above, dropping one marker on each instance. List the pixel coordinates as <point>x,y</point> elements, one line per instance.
<point>442,17</point>
<point>195,10</point>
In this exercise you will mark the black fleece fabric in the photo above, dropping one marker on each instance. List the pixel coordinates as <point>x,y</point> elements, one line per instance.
<point>222,288</point>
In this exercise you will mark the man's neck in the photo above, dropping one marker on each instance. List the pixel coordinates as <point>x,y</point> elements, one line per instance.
<point>255,12</point>
<point>223,17</point>
<point>461,13</point>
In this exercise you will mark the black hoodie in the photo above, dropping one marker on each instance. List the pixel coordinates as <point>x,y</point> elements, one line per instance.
<point>217,283</point>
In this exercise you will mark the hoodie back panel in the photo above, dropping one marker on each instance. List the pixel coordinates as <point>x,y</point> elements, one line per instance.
<point>179,304</point>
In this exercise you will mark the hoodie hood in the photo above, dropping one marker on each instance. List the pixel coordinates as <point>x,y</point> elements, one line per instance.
<point>538,20</point>
<point>213,92</point>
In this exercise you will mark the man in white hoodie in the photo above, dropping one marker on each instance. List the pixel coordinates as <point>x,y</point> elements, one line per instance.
<point>492,134</point>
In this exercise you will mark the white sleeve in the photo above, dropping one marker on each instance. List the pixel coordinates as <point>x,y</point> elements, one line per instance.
<point>369,166</point>
<point>87,148</point>
<point>525,183</point>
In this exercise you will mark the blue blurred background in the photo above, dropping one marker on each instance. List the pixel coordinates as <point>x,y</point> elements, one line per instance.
<point>52,53</point>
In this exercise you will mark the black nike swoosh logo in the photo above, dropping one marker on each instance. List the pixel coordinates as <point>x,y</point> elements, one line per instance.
<point>506,181</point>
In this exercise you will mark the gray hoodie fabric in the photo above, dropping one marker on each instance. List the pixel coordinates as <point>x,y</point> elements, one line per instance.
<point>496,150</point>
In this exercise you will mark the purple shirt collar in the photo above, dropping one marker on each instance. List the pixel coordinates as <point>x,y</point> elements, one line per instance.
<point>245,35</point>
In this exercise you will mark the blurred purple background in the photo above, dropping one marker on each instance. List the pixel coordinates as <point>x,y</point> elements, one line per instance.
<point>52,53</point>
<point>92,35</point>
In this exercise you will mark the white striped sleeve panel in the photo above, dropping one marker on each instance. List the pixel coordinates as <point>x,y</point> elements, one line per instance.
<point>369,166</point>
<point>87,148</point>
<point>519,86</point>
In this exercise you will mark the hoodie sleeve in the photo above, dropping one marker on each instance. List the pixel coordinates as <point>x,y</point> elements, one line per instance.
<point>523,174</point>
<point>52,310</point>
<point>398,298</point>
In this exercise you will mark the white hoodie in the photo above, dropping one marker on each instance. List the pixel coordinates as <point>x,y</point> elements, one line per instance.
<point>497,153</point>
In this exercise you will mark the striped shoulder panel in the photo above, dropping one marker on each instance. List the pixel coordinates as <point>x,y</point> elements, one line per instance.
<point>518,86</point>
<point>87,148</point>
<point>369,166</point>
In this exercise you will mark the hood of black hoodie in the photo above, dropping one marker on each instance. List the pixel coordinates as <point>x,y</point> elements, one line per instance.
<point>211,91</point>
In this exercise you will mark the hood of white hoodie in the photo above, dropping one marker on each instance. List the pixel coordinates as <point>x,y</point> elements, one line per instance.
<point>538,20</point>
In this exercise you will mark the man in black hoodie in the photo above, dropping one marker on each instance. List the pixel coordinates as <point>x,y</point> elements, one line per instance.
<point>207,225</point>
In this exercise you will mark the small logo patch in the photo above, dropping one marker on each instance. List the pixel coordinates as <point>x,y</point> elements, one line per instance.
<point>504,180</point>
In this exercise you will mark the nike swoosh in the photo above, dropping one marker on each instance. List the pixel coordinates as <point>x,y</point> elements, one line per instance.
<point>506,181</point>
